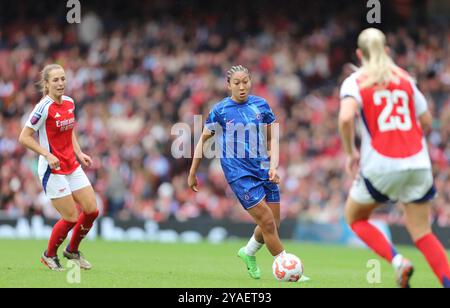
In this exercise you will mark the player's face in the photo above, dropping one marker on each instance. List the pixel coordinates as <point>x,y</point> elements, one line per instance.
<point>56,83</point>
<point>239,85</point>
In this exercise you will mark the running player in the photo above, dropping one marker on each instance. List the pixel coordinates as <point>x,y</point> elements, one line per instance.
<point>394,163</point>
<point>60,172</point>
<point>252,175</point>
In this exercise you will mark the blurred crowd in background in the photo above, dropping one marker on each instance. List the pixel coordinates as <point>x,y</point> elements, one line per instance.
<point>133,79</point>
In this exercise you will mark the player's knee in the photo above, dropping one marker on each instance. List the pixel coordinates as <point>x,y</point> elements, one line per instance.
<point>349,217</point>
<point>92,210</point>
<point>90,207</point>
<point>418,232</point>
<point>71,216</point>
<point>354,213</point>
<point>268,225</point>
<point>278,223</point>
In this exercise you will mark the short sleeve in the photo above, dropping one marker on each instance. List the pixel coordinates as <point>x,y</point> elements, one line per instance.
<point>269,116</point>
<point>37,117</point>
<point>420,102</point>
<point>350,88</point>
<point>211,121</point>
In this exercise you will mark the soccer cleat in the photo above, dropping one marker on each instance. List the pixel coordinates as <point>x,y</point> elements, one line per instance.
<point>78,258</point>
<point>404,274</point>
<point>250,262</point>
<point>51,262</point>
<point>304,279</point>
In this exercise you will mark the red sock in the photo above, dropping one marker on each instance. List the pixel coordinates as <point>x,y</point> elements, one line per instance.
<point>59,234</point>
<point>436,256</point>
<point>376,240</point>
<point>82,228</point>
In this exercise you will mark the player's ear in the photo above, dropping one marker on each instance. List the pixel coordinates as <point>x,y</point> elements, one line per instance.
<point>359,54</point>
<point>388,50</point>
<point>228,85</point>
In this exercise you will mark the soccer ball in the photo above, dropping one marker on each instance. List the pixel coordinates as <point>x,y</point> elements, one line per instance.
<point>287,268</point>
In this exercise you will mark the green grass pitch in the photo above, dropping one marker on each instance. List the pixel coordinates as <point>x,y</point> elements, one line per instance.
<point>155,265</point>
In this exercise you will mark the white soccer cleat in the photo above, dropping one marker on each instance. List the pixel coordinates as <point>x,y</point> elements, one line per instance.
<point>404,273</point>
<point>78,258</point>
<point>52,263</point>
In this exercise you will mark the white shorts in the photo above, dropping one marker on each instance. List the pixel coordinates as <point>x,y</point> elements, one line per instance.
<point>58,186</point>
<point>409,186</point>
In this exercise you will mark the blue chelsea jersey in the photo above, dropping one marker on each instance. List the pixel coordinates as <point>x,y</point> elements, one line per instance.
<point>240,137</point>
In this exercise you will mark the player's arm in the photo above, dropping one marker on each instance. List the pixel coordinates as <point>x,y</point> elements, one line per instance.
<point>347,115</point>
<point>84,159</point>
<point>198,155</point>
<point>423,114</point>
<point>26,139</point>
<point>273,147</point>
<point>426,122</point>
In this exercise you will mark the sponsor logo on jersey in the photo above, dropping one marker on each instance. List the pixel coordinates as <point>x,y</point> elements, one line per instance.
<point>66,125</point>
<point>65,122</point>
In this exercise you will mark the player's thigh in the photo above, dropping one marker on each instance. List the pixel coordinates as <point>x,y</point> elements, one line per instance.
<point>82,191</point>
<point>66,207</point>
<point>417,219</point>
<point>360,203</point>
<point>85,197</point>
<point>355,211</point>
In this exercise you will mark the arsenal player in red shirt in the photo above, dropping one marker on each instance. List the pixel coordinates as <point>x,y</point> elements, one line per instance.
<point>394,164</point>
<point>60,167</point>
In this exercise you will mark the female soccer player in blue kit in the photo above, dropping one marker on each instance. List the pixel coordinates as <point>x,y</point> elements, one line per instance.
<point>249,168</point>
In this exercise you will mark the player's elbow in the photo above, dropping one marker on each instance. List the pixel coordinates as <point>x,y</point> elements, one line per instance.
<point>426,122</point>
<point>346,118</point>
<point>23,137</point>
<point>345,121</point>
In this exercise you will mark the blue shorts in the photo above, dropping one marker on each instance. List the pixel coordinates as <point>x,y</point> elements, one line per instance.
<point>251,191</point>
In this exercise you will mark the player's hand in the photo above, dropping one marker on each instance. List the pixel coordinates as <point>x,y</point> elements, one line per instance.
<point>85,160</point>
<point>192,182</point>
<point>273,176</point>
<point>53,162</point>
<point>352,164</point>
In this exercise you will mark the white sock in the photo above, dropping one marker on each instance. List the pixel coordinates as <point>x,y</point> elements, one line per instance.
<point>252,247</point>
<point>281,254</point>
<point>397,261</point>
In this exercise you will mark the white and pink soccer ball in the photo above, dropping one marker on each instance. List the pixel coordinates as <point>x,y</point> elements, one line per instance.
<point>288,267</point>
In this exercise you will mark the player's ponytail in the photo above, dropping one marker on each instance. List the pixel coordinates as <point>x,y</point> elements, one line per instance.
<point>45,76</point>
<point>377,65</point>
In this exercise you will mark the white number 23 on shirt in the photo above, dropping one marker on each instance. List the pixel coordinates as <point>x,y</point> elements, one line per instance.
<point>387,121</point>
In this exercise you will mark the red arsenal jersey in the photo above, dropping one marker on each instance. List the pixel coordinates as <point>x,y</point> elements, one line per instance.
<point>55,123</point>
<point>392,139</point>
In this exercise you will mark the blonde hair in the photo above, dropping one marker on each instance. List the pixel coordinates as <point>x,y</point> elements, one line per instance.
<point>45,76</point>
<point>377,65</point>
